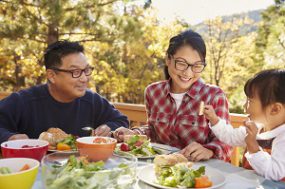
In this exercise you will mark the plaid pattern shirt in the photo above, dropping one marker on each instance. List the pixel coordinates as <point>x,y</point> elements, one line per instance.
<point>181,127</point>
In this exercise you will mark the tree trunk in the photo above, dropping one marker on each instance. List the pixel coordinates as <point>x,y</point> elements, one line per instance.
<point>53,34</point>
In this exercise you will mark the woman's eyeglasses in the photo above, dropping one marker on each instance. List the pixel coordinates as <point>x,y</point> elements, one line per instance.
<point>183,65</point>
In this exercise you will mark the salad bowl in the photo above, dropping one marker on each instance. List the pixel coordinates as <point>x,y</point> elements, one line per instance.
<point>70,170</point>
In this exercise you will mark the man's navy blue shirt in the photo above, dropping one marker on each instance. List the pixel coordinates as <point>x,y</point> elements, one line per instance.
<point>34,110</point>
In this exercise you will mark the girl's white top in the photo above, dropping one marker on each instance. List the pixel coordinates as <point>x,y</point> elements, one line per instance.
<point>269,166</point>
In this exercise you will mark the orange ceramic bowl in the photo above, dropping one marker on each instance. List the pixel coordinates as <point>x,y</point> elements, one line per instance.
<point>96,148</point>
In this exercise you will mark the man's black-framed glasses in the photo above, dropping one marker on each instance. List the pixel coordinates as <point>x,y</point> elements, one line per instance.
<point>76,73</point>
<point>183,65</point>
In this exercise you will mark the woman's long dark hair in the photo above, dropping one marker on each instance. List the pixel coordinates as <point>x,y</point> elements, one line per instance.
<point>188,37</point>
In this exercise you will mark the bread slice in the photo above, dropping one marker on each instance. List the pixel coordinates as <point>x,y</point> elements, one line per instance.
<point>165,161</point>
<point>53,136</point>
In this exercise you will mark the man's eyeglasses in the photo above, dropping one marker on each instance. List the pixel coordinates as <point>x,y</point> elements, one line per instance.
<point>183,65</point>
<point>76,73</point>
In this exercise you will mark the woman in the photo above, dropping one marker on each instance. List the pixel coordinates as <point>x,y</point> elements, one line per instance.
<point>173,105</point>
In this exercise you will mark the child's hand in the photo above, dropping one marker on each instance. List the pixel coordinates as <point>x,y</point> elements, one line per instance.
<point>250,139</point>
<point>211,115</point>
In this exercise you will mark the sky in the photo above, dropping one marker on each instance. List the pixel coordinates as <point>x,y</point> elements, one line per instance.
<point>196,11</point>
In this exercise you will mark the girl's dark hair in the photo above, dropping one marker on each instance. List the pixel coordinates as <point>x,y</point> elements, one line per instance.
<point>268,85</point>
<point>188,37</point>
<point>56,51</point>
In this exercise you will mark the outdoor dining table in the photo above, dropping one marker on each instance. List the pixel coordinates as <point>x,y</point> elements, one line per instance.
<point>236,177</point>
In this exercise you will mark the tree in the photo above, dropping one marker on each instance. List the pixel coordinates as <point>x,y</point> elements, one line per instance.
<point>220,37</point>
<point>30,26</point>
<point>270,43</point>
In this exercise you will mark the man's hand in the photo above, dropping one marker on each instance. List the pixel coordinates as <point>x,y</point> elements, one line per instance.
<point>102,130</point>
<point>121,131</point>
<point>211,115</point>
<point>250,139</point>
<point>196,152</point>
<point>18,137</point>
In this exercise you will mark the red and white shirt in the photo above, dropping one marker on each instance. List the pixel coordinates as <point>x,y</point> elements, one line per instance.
<point>179,127</point>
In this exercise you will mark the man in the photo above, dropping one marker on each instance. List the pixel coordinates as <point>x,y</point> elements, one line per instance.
<point>63,102</point>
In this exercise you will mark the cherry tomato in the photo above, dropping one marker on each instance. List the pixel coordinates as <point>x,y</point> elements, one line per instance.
<point>125,147</point>
<point>138,143</point>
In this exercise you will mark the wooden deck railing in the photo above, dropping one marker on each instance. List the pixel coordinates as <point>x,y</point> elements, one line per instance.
<point>137,114</point>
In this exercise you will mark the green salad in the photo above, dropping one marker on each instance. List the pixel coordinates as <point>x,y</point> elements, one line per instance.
<point>79,173</point>
<point>137,147</point>
<point>5,170</point>
<point>179,175</point>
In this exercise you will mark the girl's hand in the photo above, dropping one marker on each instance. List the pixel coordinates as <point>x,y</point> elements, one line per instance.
<point>121,131</point>
<point>250,139</point>
<point>211,115</point>
<point>196,152</point>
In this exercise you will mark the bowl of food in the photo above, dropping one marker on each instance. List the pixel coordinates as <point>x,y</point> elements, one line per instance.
<point>28,148</point>
<point>96,148</point>
<point>18,173</point>
<point>70,170</point>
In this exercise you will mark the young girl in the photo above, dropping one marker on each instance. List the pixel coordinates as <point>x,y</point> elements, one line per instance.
<point>266,107</point>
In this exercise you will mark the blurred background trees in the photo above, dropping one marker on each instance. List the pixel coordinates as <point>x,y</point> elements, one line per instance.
<point>126,44</point>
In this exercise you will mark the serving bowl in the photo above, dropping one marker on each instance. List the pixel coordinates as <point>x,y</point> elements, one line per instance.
<point>18,179</point>
<point>28,148</point>
<point>119,171</point>
<point>94,149</point>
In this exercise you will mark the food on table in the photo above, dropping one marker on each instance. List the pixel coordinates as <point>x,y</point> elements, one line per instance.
<point>29,146</point>
<point>79,172</point>
<point>58,139</point>
<point>137,145</point>
<point>163,161</point>
<point>25,167</point>
<point>128,138</point>
<point>201,108</point>
<point>174,170</point>
<point>100,140</point>
<point>202,182</point>
<point>7,170</point>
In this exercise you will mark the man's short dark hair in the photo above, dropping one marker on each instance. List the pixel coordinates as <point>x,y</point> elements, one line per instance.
<point>56,51</point>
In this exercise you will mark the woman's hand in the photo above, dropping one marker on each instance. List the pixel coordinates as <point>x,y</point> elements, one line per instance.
<point>121,131</point>
<point>102,130</point>
<point>196,152</point>
<point>250,139</point>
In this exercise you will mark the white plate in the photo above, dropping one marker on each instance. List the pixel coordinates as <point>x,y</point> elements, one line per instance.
<point>147,175</point>
<point>164,149</point>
